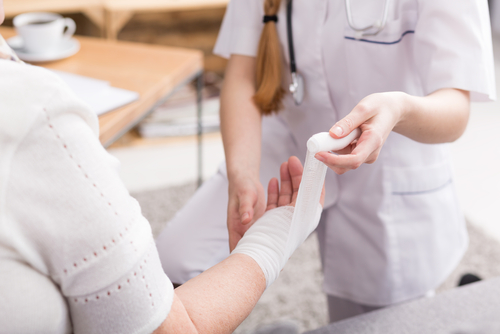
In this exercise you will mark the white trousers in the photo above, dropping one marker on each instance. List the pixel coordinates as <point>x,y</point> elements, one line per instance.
<point>196,238</point>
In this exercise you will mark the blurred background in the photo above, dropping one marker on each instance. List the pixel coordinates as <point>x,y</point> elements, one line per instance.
<point>159,155</point>
<point>160,151</point>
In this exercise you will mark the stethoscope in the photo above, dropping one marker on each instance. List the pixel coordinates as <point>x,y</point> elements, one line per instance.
<point>297,85</point>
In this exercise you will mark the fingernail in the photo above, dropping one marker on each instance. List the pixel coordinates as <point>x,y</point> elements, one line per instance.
<point>337,130</point>
<point>245,216</point>
<point>319,157</point>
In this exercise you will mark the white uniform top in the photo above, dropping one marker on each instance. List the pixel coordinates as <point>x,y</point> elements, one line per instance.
<point>76,255</point>
<point>392,230</point>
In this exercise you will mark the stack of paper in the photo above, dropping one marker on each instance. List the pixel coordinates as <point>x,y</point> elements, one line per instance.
<point>181,119</point>
<point>99,95</point>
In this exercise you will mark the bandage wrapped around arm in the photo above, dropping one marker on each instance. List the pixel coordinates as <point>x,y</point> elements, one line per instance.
<point>269,240</point>
<point>274,237</point>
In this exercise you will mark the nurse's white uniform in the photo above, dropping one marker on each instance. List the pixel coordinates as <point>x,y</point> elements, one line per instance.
<point>392,230</point>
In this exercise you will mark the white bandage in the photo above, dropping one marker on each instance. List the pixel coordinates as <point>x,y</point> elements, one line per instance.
<point>276,235</point>
<point>270,243</point>
<point>324,142</point>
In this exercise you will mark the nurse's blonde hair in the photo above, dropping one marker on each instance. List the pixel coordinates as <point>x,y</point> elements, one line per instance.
<point>268,77</point>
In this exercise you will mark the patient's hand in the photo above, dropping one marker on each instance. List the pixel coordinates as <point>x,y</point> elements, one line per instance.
<point>273,238</point>
<point>291,175</point>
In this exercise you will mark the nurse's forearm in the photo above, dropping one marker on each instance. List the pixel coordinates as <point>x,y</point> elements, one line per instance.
<point>240,119</point>
<point>436,118</point>
<point>241,134</point>
<point>439,117</point>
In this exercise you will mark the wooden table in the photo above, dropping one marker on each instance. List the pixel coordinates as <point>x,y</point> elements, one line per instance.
<point>93,9</point>
<point>109,15</point>
<point>155,72</point>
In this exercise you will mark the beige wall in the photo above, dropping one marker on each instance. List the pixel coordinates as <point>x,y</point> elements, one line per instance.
<point>191,29</point>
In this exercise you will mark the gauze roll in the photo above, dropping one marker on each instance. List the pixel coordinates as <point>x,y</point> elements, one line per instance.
<point>272,239</point>
<point>324,142</point>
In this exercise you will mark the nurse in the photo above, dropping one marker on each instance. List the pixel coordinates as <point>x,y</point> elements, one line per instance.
<point>391,229</point>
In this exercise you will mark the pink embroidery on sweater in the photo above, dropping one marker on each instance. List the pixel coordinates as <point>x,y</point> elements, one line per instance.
<point>65,146</point>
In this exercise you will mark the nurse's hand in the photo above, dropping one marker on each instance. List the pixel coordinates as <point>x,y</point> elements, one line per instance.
<point>376,115</point>
<point>247,203</point>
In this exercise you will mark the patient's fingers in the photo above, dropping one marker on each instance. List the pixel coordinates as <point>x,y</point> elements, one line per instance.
<point>272,194</point>
<point>322,197</point>
<point>285,196</point>
<point>295,170</point>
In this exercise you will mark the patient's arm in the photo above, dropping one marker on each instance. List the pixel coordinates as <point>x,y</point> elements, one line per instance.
<point>219,299</point>
<point>80,228</point>
<point>70,218</point>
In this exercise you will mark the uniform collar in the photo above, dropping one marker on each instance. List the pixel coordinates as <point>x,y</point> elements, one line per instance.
<point>6,53</point>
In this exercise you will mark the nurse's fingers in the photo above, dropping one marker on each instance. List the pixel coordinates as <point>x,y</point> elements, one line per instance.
<point>373,157</point>
<point>272,194</point>
<point>346,150</point>
<point>322,197</point>
<point>295,169</point>
<point>365,152</point>
<point>359,115</point>
<point>343,164</point>
<point>247,200</point>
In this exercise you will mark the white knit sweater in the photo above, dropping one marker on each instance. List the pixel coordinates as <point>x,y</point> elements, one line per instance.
<point>75,252</point>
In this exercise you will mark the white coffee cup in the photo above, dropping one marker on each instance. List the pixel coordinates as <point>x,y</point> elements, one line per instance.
<point>43,32</point>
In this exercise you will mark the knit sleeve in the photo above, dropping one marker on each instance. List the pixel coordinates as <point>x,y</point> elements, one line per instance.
<point>72,219</point>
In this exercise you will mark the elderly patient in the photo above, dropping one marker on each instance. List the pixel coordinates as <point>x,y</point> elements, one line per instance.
<point>75,252</point>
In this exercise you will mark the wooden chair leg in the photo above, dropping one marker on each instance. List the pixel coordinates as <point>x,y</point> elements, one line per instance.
<point>115,21</point>
<point>96,15</point>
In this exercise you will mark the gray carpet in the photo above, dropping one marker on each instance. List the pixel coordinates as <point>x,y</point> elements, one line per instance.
<point>297,295</point>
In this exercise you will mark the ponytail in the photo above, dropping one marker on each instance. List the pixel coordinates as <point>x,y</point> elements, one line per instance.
<point>268,77</point>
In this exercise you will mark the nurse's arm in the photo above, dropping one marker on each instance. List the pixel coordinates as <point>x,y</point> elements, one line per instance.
<point>241,134</point>
<point>439,117</point>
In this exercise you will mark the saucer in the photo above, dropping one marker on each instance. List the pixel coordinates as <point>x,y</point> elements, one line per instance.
<point>66,49</point>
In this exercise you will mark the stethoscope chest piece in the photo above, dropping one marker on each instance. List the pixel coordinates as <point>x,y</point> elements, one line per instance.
<point>297,88</point>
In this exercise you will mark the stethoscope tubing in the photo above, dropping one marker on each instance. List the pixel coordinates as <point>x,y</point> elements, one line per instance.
<point>291,50</point>
<point>297,85</point>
